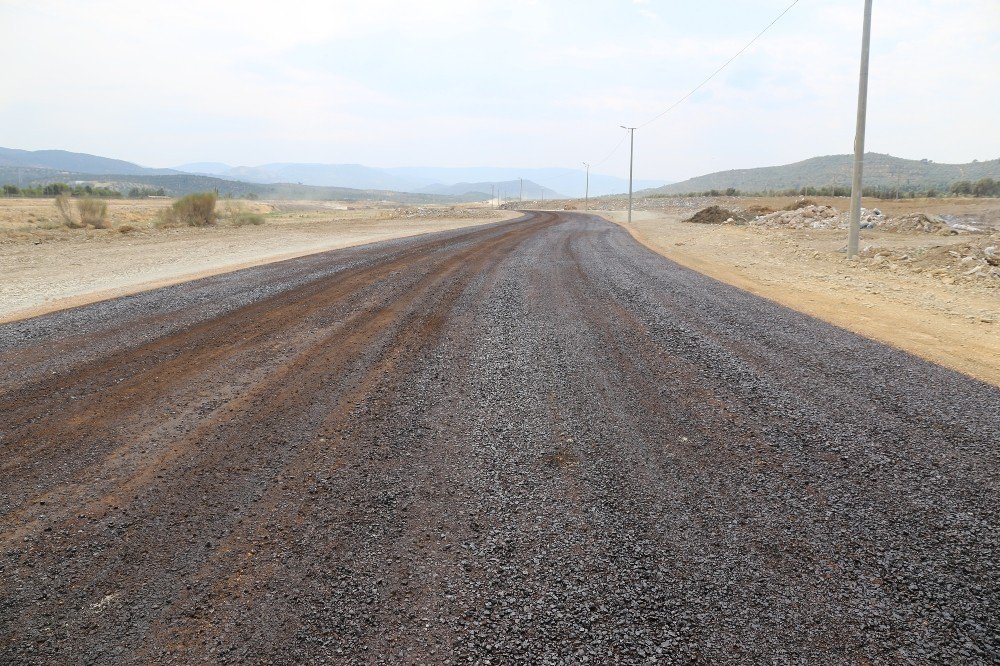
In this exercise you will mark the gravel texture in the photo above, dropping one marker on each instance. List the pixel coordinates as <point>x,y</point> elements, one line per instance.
<point>529,442</point>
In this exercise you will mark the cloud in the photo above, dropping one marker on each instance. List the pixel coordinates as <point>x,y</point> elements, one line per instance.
<point>527,82</point>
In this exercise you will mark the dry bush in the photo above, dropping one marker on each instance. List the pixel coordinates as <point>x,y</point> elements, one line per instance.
<point>242,219</point>
<point>93,212</point>
<point>126,229</point>
<point>194,210</point>
<point>69,216</point>
<point>239,215</point>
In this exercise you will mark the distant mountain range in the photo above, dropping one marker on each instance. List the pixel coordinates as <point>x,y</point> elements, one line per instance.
<point>405,179</point>
<point>474,184</point>
<point>428,184</point>
<point>836,170</point>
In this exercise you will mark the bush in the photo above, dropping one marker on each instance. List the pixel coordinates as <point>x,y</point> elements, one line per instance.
<point>245,217</point>
<point>67,213</point>
<point>239,215</point>
<point>195,210</point>
<point>93,212</point>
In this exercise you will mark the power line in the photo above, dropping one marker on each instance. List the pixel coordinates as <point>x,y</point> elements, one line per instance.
<point>613,150</point>
<point>716,72</point>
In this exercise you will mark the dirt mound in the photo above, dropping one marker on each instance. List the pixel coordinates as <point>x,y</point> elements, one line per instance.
<point>917,223</point>
<point>716,215</point>
<point>977,261</point>
<point>801,203</point>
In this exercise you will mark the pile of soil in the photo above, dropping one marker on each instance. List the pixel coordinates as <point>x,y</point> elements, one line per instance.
<point>757,211</point>
<point>975,261</point>
<point>916,223</point>
<point>801,203</point>
<point>716,215</point>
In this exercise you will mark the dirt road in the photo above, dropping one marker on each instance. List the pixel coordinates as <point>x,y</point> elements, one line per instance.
<point>534,441</point>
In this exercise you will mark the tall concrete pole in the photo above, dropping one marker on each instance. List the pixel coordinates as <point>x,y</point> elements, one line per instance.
<point>631,162</point>
<point>520,190</point>
<point>586,189</point>
<point>854,230</point>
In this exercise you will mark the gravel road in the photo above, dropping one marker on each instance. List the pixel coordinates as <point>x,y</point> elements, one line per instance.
<point>529,442</point>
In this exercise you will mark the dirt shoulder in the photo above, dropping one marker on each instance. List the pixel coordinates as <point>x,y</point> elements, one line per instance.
<point>46,267</point>
<point>955,325</point>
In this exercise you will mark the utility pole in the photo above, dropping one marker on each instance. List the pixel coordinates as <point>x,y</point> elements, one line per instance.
<point>586,189</point>
<point>631,162</point>
<point>854,230</point>
<point>520,189</point>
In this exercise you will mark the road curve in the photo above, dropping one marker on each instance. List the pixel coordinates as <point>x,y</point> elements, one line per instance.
<point>534,441</point>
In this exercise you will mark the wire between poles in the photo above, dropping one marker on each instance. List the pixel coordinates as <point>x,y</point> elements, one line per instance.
<point>716,72</point>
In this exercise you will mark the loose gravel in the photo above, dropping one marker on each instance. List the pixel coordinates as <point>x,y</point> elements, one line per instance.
<point>531,442</point>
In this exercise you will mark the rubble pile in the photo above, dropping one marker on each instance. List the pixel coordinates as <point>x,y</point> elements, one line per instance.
<point>975,261</point>
<point>808,217</point>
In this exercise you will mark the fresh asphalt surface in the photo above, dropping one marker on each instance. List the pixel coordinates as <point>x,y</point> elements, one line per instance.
<point>534,442</point>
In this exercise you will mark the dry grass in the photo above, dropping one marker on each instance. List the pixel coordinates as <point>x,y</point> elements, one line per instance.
<point>93,213</point>
<point>69,216</point>
<point>88,212</point>
<point>239,215</point>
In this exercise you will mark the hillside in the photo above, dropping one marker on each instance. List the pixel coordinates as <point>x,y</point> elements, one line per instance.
<point>509,189</point>
<point>62,160</point>
<point>835,170</point>
<point>176,184</point>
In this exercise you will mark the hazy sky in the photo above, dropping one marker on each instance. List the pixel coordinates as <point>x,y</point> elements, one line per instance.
<point>514,83</point>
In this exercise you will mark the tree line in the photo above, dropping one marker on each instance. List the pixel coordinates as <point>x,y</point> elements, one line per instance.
<point>984,187</point>
<point>62,189</point>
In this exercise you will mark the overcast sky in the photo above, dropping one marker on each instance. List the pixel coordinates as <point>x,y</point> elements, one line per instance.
<point>515,83</point>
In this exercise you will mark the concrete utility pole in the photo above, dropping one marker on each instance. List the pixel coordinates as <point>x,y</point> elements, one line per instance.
<point>520,190</point>
<point>586,189</point>
<point>854,230</point>
<point>631,162</point>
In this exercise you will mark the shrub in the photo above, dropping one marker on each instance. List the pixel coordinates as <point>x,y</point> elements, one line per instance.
<point>65,209</point>
<point>93,212</point>
<point>195,210</point>
<point>239,215</point>
<point>246,217</point>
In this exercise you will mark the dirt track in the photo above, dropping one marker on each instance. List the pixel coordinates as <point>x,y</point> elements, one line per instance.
<point>535,441</point>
